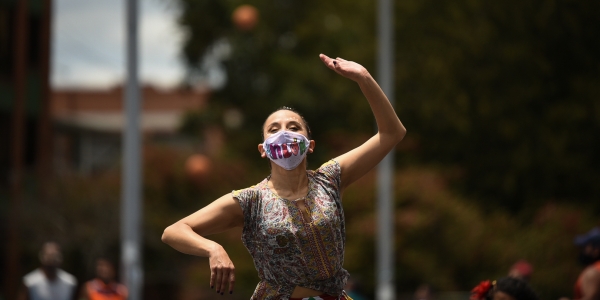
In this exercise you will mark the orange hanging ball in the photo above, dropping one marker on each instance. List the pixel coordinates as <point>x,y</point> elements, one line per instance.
<point>197,167</point>
<point>245,17</point>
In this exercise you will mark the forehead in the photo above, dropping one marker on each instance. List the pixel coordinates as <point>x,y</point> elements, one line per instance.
<point>104,263</point>
<point>50,248</point>
<point>283,115</point>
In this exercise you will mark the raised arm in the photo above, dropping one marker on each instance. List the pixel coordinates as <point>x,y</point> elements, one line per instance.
<point>187,236</point>
<point>358,161</point>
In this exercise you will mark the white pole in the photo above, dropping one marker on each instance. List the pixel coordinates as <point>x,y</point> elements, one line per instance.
<point>385,171</point>
<point>131,204</point>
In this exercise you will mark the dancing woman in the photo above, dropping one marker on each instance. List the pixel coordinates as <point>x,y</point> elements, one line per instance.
<point>293,220</point>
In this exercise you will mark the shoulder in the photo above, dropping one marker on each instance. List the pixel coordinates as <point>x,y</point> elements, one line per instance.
<point>330,172</point>
<point>331,167</point>
<point>66,277</point>
<point>249,198</point>
<point>591,274</point>
<point>34,277</point>
<point>249,192</point>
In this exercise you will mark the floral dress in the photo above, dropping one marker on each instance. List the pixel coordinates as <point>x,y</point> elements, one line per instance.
<point>290,249</point>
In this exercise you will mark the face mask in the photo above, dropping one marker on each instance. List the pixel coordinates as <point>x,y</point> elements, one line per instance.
<point>287,149</point>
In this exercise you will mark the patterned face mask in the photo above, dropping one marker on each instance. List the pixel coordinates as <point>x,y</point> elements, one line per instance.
<point>287,149</point>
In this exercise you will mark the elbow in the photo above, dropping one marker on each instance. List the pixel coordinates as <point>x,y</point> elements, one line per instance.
<point>401,134</point>
<point>167,234</point>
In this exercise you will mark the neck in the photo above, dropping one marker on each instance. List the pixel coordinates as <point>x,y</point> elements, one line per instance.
<point>49,272</point>
<point>290,184</point>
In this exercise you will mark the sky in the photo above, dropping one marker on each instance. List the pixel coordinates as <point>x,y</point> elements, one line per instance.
<point>88,49</point>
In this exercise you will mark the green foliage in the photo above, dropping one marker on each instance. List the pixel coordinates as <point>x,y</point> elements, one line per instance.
<point>450,244</point>
<point>277,64</point>
<point>506,92</point>
<point>502,90</point>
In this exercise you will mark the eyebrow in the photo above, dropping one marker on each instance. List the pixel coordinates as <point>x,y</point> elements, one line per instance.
<point>276,123</point>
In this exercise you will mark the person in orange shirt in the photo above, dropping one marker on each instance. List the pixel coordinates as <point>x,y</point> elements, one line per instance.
<point>104,286</point>
<point>587,286</point>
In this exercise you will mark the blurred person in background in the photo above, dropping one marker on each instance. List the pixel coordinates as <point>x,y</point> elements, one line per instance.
<point>423,292</point>
<point>522,269</point>
<point>587,286</point>
<point>293,221</point>
<point>49,282</point>
<point>507,288</point>
<point>105,285</point>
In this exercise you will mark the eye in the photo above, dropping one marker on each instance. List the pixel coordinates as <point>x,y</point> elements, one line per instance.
<point>294,128</point>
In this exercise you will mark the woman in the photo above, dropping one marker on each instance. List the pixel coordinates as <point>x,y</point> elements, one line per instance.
<point>293,222</point>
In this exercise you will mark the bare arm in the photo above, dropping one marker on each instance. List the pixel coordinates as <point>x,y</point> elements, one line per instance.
<point>187,236</point>
<point>358,161</point>
<point>590,284</point>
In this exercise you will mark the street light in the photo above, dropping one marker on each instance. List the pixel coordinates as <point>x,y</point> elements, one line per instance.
<point>385,171</point>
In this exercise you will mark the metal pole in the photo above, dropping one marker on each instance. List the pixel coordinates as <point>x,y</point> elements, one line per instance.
<point>385,171</point>
<point>131,205</point>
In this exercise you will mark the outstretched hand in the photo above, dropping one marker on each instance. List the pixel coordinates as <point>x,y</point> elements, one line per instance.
<point>348,69</point>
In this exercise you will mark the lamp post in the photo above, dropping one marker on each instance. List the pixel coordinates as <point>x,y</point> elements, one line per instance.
<point>385,171</point>
<point>131,203</point>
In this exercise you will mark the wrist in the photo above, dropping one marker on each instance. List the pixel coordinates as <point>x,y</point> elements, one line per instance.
<point>364,77</point>
<point>213,249</point>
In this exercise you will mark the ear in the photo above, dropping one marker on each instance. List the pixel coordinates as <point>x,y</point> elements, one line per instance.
<point>311,146</point>
<point>262,151</point>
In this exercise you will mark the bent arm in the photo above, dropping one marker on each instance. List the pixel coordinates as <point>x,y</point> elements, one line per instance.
<point>362,159</point>
<point>187,234</point>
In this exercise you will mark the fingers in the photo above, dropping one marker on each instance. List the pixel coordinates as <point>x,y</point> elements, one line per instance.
<point>231,280</point>
<point>334,64</point>
<point>324,58</point>
<point>220,276</point>
<point>328,61</point>
<point>224,278</point>
<point>218,279</point>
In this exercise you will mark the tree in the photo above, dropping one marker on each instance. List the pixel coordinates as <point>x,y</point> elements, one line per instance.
<point>503,92</point>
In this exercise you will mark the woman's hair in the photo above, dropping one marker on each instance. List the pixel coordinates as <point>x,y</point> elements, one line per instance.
<point>515,287</point>
<point>309,133</point>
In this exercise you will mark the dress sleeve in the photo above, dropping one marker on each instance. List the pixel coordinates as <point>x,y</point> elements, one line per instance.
<point>331,171</point>
<point>247,199</point>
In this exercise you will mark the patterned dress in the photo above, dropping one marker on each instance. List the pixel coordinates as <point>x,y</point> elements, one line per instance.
<point>290,249</point>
